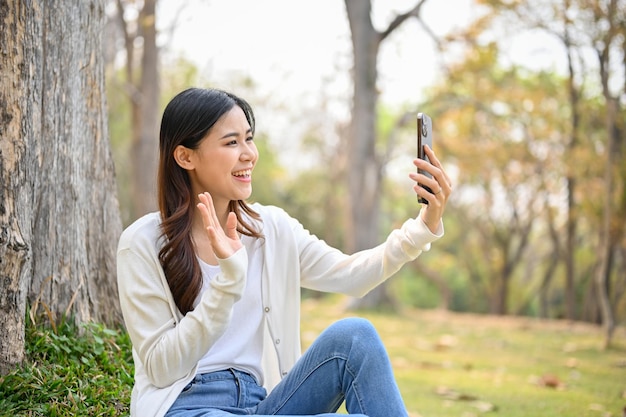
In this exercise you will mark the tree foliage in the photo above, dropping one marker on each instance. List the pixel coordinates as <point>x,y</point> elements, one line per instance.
<point>537,152</point>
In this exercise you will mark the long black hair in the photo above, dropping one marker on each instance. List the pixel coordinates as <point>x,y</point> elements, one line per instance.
<point>186,121</point>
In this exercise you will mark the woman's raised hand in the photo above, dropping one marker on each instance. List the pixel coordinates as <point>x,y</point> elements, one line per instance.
<point>223,242</point>
<point>440,185</point>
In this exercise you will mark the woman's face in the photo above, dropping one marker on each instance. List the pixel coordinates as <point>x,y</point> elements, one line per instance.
<point>223,163</point>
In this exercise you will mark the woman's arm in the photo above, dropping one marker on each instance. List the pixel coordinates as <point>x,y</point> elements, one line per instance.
<point>324,268</point>
<point>168,344</point>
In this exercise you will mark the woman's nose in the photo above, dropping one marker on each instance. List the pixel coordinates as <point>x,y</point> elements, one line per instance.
<point>248,153</point>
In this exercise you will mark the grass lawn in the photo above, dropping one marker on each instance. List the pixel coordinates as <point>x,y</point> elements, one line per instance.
<point>464,365</point>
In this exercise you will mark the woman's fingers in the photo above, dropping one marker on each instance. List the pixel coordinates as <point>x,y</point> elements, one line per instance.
<point>231,226</point>
<point>440,186</point>
<point>224,242</point>
<point>211,216</point>
<point>439,182</point>
<point>444,179</point>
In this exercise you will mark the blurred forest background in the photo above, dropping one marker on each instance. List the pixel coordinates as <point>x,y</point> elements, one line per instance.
<point>536,222</point>
<point>528,102</point>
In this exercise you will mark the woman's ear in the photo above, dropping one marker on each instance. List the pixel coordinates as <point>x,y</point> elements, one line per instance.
<point>182,155</point>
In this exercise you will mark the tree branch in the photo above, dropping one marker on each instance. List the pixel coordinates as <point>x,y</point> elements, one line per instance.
<point>414,12</point>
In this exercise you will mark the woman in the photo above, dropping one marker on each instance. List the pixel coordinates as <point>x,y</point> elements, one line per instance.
<point>210,285</point>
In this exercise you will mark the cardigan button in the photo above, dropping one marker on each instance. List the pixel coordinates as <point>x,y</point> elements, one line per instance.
<point>267,309</point>
<point>278,341</point>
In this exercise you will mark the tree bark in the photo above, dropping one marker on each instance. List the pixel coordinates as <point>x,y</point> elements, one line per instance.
<point>59,215</point>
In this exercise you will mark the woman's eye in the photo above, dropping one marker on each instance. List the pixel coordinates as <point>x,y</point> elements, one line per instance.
<point>250,139</point>
<point>232,142</point>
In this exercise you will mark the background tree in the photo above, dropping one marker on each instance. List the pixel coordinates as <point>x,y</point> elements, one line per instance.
<point>365,164</point>
<point>595,26</point>
<point>610,46</point>
<point>503,146</point>
<point>137,22</point>
<point>59,217</point>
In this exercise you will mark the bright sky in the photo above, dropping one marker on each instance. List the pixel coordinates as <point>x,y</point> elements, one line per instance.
<point>289,46</point>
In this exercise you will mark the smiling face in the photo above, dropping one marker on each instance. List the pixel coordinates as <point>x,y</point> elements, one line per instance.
<point>223,162</point>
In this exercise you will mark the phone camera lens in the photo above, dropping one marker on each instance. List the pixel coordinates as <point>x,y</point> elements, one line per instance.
<point>424,130</point>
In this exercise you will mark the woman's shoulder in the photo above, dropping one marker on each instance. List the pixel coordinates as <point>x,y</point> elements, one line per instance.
<point>145,228</point>
<point>273,216</point>
<point>273,219</point>
<point>269,211</point>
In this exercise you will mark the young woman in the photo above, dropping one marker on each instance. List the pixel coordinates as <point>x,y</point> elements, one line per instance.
<point>210,285</point>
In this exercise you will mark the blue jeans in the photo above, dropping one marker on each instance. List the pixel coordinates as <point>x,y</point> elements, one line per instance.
<point>347,362</point>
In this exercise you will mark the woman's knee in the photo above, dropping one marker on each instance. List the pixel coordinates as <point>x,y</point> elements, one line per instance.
<point>355,330</point>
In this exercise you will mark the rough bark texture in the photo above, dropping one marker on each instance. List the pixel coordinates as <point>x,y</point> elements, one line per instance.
<point>59,214</point>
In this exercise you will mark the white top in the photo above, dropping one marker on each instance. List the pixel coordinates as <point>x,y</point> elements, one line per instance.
<point>167,346</point>
<point>241,345</point>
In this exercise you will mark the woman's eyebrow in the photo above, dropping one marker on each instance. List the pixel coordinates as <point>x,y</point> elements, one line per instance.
<point>235,134</point>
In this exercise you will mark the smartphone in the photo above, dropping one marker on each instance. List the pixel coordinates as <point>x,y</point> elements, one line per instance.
<point>424,137</point>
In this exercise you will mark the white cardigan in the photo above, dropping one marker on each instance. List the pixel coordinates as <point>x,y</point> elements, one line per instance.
<point>168,345</point>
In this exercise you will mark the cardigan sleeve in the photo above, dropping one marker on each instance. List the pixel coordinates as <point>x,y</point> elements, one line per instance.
<point>168,344</point>
<point>324,268</point>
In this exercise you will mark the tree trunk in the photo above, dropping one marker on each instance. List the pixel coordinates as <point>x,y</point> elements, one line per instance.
<point>612,228</point>
<point>572,211</point>
<point>364,170</point>
<point>607,234</point>
<point>143,89</point>
<point>365,167</point>
<point>146,139</point>
<point>59,215</point>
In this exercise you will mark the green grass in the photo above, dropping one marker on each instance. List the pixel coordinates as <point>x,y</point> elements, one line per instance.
<point>446,364</point>
<point>66,374</point>
<point>462,365</point>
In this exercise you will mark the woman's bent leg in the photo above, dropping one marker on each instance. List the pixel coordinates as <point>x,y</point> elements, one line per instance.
<point>347,362</point>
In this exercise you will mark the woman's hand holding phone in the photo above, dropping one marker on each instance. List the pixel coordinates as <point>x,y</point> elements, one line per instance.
<point>433,186</point>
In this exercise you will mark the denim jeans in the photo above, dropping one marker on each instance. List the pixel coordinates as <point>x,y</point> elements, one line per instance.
<point>347,362</point>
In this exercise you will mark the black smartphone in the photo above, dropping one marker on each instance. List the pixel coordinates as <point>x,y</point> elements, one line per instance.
<point>424,137</point>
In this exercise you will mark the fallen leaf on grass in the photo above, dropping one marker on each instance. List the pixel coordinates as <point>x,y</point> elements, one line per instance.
<point>551,381</point>
<point>484,406</point>
<point>446,342</point>
<point>453,395</point>
<point>548,381</point>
